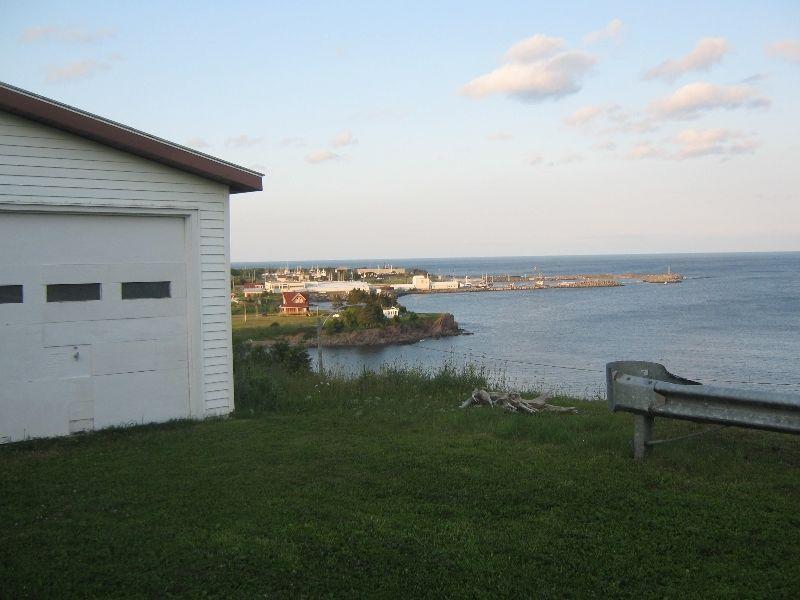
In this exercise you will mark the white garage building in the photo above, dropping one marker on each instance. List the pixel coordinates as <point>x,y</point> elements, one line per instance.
<point>114,273</point>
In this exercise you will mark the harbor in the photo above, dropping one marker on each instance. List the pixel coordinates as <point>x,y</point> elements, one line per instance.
<point>332,281</point>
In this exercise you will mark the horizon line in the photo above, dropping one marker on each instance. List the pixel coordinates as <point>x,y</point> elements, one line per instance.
<point>412,258</point>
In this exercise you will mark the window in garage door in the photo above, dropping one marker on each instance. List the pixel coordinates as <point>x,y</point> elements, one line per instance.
<point>10,294</point>
<point>138,290</point>
<point>73,292</point>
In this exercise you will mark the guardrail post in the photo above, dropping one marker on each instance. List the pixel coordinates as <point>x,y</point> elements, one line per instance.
<point>642,434</point>
<point>648,390</point>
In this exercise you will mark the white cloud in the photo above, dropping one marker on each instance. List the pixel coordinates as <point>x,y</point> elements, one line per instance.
<point>567,159</point>
<point>320,156</point>
<point>500,136</point>
<point>707,53</point>
<point>645,150</point>
<point>197,143</point>
<point>242,141</point>
<point>786,49</point>
<point>612,31</point>
<point>343,138</point>
<point>693,99</point>
<point>73,71</point>
<point>535,69</point>
<point>703,142</point>
<point>584,115</point>
<point>695,143</point>
<point>65,34</point>
<point>534,47</point>
<point>609,119</point>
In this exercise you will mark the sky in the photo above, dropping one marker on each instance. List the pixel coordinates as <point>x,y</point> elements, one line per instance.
<point>412,129</point>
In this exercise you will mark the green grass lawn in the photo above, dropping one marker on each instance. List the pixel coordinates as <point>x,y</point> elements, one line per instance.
<point>380,486</point>
<point>270,327</point>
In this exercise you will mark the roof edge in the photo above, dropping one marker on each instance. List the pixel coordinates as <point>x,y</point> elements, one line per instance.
<point>79,122</point>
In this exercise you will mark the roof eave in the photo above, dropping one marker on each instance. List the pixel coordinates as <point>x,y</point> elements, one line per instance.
<point>52,113</point>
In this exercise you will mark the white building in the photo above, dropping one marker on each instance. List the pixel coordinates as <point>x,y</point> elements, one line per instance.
<point>114,273</point>
<point>284,286</point>
<point>253,290</point>
<point>424,283</point>
<point>421,282</point>
<point>391,312</point>
<point>337,287</point>
<point>386,270</point>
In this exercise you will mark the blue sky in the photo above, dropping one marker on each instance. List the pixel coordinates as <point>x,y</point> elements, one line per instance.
<point>477,129</point>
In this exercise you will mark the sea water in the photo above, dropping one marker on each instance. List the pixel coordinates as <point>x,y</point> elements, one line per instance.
<point>733,321</point>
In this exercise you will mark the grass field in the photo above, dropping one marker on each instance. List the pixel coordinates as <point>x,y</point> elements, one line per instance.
<point>380,486</point>
<point>267,327</point>
<point>270,327</point>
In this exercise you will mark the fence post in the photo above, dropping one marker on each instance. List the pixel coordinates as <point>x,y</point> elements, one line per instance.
<point>642,434</point>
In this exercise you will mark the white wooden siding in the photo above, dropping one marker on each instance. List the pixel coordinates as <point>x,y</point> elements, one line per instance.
<point>41,165</point>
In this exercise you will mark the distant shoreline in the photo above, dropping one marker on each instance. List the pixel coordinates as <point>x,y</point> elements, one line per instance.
<point>354,262</point>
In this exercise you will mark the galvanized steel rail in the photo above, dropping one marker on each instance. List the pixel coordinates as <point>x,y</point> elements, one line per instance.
<point>648,390</point>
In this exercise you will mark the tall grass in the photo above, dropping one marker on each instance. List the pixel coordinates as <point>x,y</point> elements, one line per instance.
<point>262,385</point>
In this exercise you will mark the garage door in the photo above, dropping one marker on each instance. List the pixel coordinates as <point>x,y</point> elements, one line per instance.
<point>93,322</point>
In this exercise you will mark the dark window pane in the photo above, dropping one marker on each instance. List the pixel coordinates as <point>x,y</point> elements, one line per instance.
<point>73,292</point>
<point>10,294</point>
<point>134,290</point>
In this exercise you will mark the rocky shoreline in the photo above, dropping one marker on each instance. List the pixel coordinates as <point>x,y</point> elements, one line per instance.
<point>444,325</point>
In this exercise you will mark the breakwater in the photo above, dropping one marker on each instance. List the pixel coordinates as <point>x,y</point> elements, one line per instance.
<point>517,283</point>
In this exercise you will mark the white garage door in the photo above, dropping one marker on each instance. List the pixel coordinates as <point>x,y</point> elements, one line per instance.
<point>93,324</point>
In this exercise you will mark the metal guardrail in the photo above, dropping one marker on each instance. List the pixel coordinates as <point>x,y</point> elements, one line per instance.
<point>648,390</point>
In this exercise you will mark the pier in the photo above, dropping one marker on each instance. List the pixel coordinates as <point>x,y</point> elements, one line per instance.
<point>517,283</point>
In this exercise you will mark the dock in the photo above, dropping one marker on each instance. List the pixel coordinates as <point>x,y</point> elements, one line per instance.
<point>517,283</point>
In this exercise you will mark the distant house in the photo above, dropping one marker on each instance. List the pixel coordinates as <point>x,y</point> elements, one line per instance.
<point>294,303</point>
<point>337,287</point>
<point>375,271</point>
<point>284,286</point>
<point>391,312</point>
<point>255,289</point>
<point>445,285</point>
<point>421,282</point>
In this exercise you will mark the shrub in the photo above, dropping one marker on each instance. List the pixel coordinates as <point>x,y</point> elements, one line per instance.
<point>292,359</point>
<point>334,326</point>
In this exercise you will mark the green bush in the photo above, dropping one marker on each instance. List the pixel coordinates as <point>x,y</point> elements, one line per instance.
<point>292,359</point>
<point>334,326</point>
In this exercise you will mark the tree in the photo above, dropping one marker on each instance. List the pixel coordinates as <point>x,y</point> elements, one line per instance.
<point>370,315</point>
<point>358,297</point>
<point>293,359</point>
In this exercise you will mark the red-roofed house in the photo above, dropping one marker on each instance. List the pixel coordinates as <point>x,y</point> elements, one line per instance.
<point>294,303</point>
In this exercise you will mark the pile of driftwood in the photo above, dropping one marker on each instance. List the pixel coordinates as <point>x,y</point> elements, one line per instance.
<point>513,402</point>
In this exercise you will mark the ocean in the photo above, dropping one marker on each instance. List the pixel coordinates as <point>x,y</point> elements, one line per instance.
<point>733,321</point>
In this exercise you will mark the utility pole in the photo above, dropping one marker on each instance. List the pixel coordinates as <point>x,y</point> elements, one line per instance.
<point>320,323</point>
<point>319,346</point>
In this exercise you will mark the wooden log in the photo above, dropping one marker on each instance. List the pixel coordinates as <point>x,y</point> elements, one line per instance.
<point>513,402</point>
<point>482,397</point>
